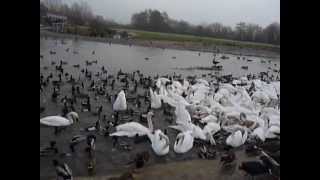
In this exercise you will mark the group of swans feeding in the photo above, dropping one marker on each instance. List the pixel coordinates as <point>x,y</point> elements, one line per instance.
<point>217,106</point>
<point>159,141</point>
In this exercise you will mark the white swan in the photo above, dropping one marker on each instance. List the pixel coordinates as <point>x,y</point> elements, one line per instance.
<point>209,118</point>
<point>267,131</point>
<point>59,120</point>
<point>202,81</point>
<point>182,114</point>
<point>155,100</point>
<point>121,103</point>
<point>189,131</point>
<point>236,139</point>
<point>272,132</point>
<point>130,129</point>
<point>260,132</point>
<point>276,85</point>
<point>184,142</point>
<point>161,82</point>
<point>159,141</point>
<point>209,130</point>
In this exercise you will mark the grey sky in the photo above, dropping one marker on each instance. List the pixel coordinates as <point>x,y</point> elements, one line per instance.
<point>228,12</point>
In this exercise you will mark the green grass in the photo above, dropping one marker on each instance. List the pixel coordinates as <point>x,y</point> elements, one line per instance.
<point>207,41</point>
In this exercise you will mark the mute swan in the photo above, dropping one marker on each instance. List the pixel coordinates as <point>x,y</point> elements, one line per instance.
<point>182,114</point>
<point>260,133</point>
<point>155,100</point>
<point>120,104</point>
<point>209,130</point>
<point>130,129</point>
<point>59,120</point>
<point>276,85</point>
<point>202,81</point>
<point>184,142</point>
<point>186,126</point>
<point>236,139</point>
<point>161,82</point>
<point>209,118</point>
<point>267,131</point>
<point>159,141</point>
<point>272,132</point>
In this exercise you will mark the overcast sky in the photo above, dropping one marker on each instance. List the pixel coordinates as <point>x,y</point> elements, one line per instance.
<point>228,12</point>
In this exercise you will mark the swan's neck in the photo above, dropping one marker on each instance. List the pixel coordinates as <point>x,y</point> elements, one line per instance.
<point>150,124</point>
<point>69,117</point>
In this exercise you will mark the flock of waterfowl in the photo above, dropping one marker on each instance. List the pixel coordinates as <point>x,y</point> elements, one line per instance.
<point>222,113</point>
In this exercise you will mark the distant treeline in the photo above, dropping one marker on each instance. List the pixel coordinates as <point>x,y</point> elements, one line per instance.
<point>154,20</point>
<point>80,14</point>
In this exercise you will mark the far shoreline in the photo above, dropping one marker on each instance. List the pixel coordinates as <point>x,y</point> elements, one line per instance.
<point>169,45</point>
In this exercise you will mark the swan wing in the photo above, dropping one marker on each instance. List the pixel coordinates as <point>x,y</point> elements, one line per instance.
<point>212,128</point>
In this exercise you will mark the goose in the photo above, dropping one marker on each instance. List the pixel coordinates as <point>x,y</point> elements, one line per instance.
<point>120,103</point>
<point>159,141</point>
<point>236,139</point>
<point>59,121</point>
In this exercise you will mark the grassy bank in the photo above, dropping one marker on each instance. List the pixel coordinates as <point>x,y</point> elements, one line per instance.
<point>204,41</point>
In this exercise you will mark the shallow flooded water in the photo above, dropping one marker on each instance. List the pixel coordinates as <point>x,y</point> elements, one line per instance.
<point>128,58</point>
<point>160,61</point>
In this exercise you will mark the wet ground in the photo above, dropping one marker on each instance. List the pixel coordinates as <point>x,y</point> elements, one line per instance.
<point>114,57</point>
<point>187,170</point>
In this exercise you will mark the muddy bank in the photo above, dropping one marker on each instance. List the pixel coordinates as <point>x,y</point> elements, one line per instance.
<point>191,46</point>
<point>206,169</point>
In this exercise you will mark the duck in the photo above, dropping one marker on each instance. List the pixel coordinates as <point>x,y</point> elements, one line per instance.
<point>254,168</point>
<point>244,67</point>
<point>227,158</point>
<point>52,149</point>
<point>59,121</point>
<point>120,103</point>
<point>237,139</point>
<point>159,141</point>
